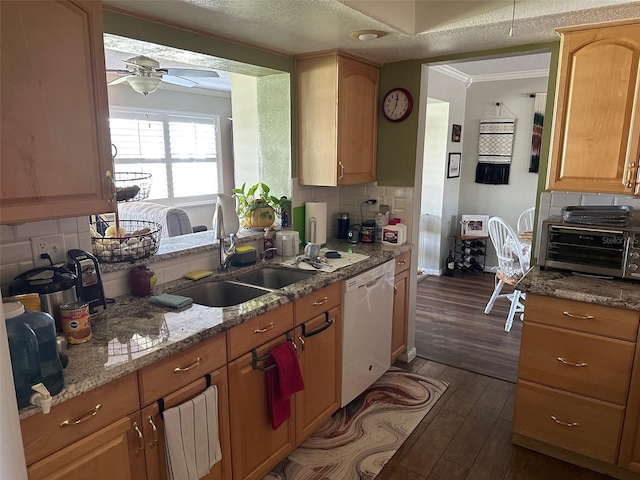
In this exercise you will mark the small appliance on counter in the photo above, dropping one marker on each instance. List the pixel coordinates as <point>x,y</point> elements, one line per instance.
<point>33,350</point>
<point>353,233</point>
<point>315,222</point>
<point>55,285</point>
<point>343,225</point>
<point>89,286</point>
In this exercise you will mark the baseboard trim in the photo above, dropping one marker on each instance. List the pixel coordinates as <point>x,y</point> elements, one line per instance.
<point>408,356</point>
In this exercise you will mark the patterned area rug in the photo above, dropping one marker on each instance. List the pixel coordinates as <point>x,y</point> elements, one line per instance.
<point>361,438</point>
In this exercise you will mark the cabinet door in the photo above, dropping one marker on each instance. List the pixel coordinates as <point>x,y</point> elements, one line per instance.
<point>630,444</point>
<point>55,136</point>
<point>597,122</point>
<point>116,451</point>
<point>400,310</point>
<point>154,434</point>
<point>357,121</point>
<point>319,352</point>
<point>255,445</point>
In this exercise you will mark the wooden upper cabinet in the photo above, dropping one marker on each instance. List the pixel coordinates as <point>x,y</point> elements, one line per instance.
<point>55,144</point>
<point>337,101</point>
<point>596,134</point>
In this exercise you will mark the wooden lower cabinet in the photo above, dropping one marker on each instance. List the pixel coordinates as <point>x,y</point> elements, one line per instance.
<point>255,445</point>
<point>578,390</point>
<point>400,305</point>
<point>154,434</point>
<point>319,350</point>
<point>115,451</point>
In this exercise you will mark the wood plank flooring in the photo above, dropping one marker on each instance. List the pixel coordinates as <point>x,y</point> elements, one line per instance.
<point>467,436</point>
<point>451,327</point>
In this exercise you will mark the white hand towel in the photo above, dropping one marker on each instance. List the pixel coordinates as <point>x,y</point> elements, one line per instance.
<point>191,432</point>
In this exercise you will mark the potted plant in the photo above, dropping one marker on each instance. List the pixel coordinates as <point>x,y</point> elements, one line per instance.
<point>256,207</point>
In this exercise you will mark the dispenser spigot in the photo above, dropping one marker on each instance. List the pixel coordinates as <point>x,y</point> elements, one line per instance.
<point>42,398</point>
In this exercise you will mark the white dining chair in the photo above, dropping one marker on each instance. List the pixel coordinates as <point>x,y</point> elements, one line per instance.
<point>525,220</point>
<point>513,264</point>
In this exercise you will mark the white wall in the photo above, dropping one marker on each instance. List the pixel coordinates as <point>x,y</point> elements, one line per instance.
<point>446,89</point>
<point>506,201</point>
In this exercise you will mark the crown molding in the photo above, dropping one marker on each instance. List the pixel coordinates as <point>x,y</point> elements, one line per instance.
<point>453,73</point>
<point>491,77</point>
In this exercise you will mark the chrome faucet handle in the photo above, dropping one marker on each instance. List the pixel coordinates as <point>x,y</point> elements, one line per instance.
<point>263,254</point>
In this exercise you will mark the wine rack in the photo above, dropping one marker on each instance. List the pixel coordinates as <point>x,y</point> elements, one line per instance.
<point>469,253</point>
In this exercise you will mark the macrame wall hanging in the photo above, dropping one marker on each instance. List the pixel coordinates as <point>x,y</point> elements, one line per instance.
<point>495,145</point>
<point>540,104</point>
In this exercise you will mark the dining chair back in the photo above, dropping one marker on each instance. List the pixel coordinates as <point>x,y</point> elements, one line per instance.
<point>525,220</point>
<point>513,264</point>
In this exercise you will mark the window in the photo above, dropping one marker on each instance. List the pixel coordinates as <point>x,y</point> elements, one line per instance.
<point>179,151</point>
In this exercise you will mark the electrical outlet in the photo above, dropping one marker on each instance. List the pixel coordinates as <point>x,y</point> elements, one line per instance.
<point>53,245</point>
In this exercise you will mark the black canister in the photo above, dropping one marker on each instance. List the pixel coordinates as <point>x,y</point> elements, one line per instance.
<point>343,225</point>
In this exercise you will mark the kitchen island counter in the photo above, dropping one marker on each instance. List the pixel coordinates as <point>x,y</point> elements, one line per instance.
<point>555,283</point>
<point>133,333</point>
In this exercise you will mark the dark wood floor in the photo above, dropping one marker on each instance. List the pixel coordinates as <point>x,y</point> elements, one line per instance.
<point>451,327</point>
<point>467,436</point>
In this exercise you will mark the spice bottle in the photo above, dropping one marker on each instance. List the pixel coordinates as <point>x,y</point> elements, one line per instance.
<point>268,242</point>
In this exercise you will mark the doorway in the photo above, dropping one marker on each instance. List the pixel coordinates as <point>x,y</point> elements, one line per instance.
<point>470,91</point>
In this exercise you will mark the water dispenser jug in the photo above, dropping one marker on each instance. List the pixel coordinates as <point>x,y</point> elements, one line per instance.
<point>33,351</point>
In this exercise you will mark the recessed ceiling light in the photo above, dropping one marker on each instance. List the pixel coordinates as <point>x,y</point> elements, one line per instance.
<point>366,35</point>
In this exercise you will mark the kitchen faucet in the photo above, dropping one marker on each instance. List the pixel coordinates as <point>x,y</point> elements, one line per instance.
<point>226,254</point>
<point>263,254</point>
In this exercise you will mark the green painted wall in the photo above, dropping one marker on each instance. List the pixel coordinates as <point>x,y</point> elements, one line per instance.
<point>396,156</point>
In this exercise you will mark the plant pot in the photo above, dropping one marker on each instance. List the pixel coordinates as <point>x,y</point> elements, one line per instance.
<point>262,217</point>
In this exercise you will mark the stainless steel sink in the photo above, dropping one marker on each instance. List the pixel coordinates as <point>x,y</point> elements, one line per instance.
<point>222,294</point>
<point>273,278</point>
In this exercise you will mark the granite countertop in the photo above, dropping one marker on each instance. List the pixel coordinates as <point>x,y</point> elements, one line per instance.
<point>583,288</point>
<point>133,333</point>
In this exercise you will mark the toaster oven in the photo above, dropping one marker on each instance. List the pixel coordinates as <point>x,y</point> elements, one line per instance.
<point>591,249</point>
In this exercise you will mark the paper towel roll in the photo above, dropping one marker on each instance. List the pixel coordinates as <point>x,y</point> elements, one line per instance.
<point>315,214</point>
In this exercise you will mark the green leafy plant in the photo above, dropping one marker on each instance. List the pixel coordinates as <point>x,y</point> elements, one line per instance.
<point>257,199</point>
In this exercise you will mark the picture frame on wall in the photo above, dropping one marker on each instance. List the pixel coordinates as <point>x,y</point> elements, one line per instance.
<point>453,166</point>
<point>475,225</point>
<point>456,132</point>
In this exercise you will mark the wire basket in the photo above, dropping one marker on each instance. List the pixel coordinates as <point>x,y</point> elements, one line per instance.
<point>132,186</point>
<point>141,240</point>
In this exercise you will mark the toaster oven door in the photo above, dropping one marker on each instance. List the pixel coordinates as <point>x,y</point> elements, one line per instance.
<point>594,250</point>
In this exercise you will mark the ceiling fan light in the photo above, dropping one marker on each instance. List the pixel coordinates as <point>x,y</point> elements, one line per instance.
<point>144,85</point>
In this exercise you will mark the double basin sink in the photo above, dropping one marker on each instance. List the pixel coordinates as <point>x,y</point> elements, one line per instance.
<point>242,288</point>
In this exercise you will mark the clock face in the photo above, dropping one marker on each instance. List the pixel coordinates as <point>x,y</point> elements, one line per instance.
<point>397,105</point>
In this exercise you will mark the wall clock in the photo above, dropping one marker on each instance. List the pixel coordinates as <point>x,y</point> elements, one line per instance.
<point>397,105</point>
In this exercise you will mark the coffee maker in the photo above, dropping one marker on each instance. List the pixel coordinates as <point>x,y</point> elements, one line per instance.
<point>89,283</point>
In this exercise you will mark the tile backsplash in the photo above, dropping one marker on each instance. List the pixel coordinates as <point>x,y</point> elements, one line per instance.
<point>15,240</point>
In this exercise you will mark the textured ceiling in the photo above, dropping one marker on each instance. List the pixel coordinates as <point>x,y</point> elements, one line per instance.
<point>301,26</point>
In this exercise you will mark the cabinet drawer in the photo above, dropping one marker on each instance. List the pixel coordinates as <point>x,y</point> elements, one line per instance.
<point>595,426</point>
<point>403,262</point>
<point>259,330</point>
<point>178,370</point>
<point>44,434</point>
<point>317,302</point>
<point>578,362</point>
<point>583,317</point>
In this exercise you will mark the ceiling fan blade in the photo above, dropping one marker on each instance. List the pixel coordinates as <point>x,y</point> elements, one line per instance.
<point>184,82</point>
<point>119,72</point>
<point>120,80</point>
<point>189,72</point>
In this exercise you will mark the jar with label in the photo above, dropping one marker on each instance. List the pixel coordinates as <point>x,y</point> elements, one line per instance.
<point>268,242</point>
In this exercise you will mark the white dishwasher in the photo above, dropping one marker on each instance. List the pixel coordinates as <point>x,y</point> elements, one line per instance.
<point>367,301</point>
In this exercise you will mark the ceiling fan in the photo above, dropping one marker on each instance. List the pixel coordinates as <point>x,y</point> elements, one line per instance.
<point>144,75</point>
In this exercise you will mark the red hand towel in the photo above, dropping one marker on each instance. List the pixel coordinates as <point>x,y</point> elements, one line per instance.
<point>282,381</point>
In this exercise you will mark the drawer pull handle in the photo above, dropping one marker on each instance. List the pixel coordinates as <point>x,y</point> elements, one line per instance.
<point>140,439</point>
<point>572,364</point>
<point>564,424</point>
<point>321,302</point>
<point>402,262</point>
<point>301,338</point>
<point>88,416</point>
<point>186,369</point>
<point>265,329</point>
<point>154,429</point>
<point>395,290</point>
<point>580,317</point>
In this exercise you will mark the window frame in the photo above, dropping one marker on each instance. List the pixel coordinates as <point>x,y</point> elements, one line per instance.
<point>164,115</point>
